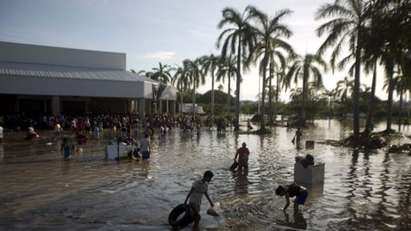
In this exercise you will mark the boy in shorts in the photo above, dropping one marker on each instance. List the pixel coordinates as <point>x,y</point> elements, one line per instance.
<point>292,190</point>
<point>199,188</point>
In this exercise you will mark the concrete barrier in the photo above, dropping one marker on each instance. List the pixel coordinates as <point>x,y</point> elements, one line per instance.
<point>313,174</point>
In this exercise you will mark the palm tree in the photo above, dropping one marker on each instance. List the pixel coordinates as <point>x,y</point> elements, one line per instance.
<point>210,65</point>
<point>195,76</point>
<point>347,18</point>
<point>344,88</point>
<point>329,94</point>
<point>181,82</point>
<point>392,38</point>
<point>227,70</point>
<point>306,68</point>
<point>401,85</point>
<point>162,73</point>
<point>238,40</point>
<point>270,49</point>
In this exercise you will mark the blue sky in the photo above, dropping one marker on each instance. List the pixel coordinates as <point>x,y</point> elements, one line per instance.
<point>150,31</point>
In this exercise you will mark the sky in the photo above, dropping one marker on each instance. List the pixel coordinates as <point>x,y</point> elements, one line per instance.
<point>152,31</point>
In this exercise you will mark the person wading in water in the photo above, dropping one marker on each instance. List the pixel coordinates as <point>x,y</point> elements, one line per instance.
<point>241,156</point>
<point>199,188</point>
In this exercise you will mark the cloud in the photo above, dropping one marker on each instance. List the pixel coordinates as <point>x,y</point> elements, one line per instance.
<point>161,55</point>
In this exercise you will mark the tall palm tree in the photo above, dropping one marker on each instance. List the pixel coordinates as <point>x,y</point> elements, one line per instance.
<point>306,68</point>
<point>181,82</point>
<point>196,77</point>
<point>392,38</point>
<point>238,40</point>
<point>210,65</point>
<point>270,47</point>
<point>346,21</point>
<point>227,70</point>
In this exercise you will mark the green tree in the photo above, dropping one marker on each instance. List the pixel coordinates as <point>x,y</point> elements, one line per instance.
<point>181,82</point>
<point>269,50</point>
<point>195,76</point>
<point>306,68</point>
<point>238,39</point>
<point>226,71</point>
<point>345,25</point>
<point>210,65</point>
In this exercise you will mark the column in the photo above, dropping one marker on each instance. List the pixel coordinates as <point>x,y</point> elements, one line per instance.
<point>55,105</point>
<point>173,107</point>
<point>167,110</point>
<point>160,111</point>
<point>141,108</point>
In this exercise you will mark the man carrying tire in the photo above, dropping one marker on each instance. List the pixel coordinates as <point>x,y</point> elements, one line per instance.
<point>199,188</point>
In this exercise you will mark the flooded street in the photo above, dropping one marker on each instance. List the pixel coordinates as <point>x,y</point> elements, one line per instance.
<point>362,191</point>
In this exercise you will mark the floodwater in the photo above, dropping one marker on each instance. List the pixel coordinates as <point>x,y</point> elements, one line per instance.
<point>362,191</point>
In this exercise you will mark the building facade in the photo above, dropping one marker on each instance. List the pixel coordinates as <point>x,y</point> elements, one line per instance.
<point>53,80</point>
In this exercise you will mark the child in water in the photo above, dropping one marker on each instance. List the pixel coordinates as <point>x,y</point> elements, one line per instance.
<point>292,190</point>
<point>67,148</point>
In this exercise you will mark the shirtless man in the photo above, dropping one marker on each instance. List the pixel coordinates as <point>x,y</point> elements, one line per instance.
<point>241,156</point>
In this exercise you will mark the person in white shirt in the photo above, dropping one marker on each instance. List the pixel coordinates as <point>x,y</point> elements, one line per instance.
<point>199,188</point>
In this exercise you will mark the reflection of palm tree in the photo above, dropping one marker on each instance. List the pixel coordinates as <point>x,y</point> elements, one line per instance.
<point>345,25</point>
<point>237,39</point>
<point>270,48</point>
<point>306,68</point>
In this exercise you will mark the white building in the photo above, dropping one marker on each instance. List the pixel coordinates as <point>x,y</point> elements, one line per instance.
<point>54,80</point>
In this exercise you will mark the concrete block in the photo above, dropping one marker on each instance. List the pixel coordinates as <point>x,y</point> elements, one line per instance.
<point>313,174</point>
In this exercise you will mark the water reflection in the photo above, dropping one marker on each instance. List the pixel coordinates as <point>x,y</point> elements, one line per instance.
<point>297,222</point>
<point>368,191</point>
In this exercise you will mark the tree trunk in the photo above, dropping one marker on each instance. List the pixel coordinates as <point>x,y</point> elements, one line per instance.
<point>270,96</point>
<point>262,121</point>
<point>229,95</point>
<point>237,105</point>
<point>212,95</point>
<point>400,110</point>
<point>277,94</point>
<point>181,102</point>
<point>356,90</point>
<point>390,72</point>
<point>305,80</point>
<point>194,101</point>
<point>370,113</point>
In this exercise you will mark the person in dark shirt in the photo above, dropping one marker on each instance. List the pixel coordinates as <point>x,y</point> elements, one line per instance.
<point>292,190</point>
<point>241,156</point>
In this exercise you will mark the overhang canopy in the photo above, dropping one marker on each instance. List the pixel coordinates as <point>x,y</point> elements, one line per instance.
<point>41,79</point>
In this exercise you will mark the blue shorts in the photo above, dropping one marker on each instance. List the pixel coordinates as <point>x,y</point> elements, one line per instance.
<point>300,199</point>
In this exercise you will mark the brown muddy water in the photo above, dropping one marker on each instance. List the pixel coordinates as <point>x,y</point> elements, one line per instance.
<point>362,191</point>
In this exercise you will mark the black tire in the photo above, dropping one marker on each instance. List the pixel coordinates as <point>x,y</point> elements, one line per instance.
<point>183,221</point>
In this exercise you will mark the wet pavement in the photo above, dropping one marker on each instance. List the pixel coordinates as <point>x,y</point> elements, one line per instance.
<point>362,191</point>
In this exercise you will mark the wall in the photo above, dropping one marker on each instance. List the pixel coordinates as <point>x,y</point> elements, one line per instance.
<point>24,53</point>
